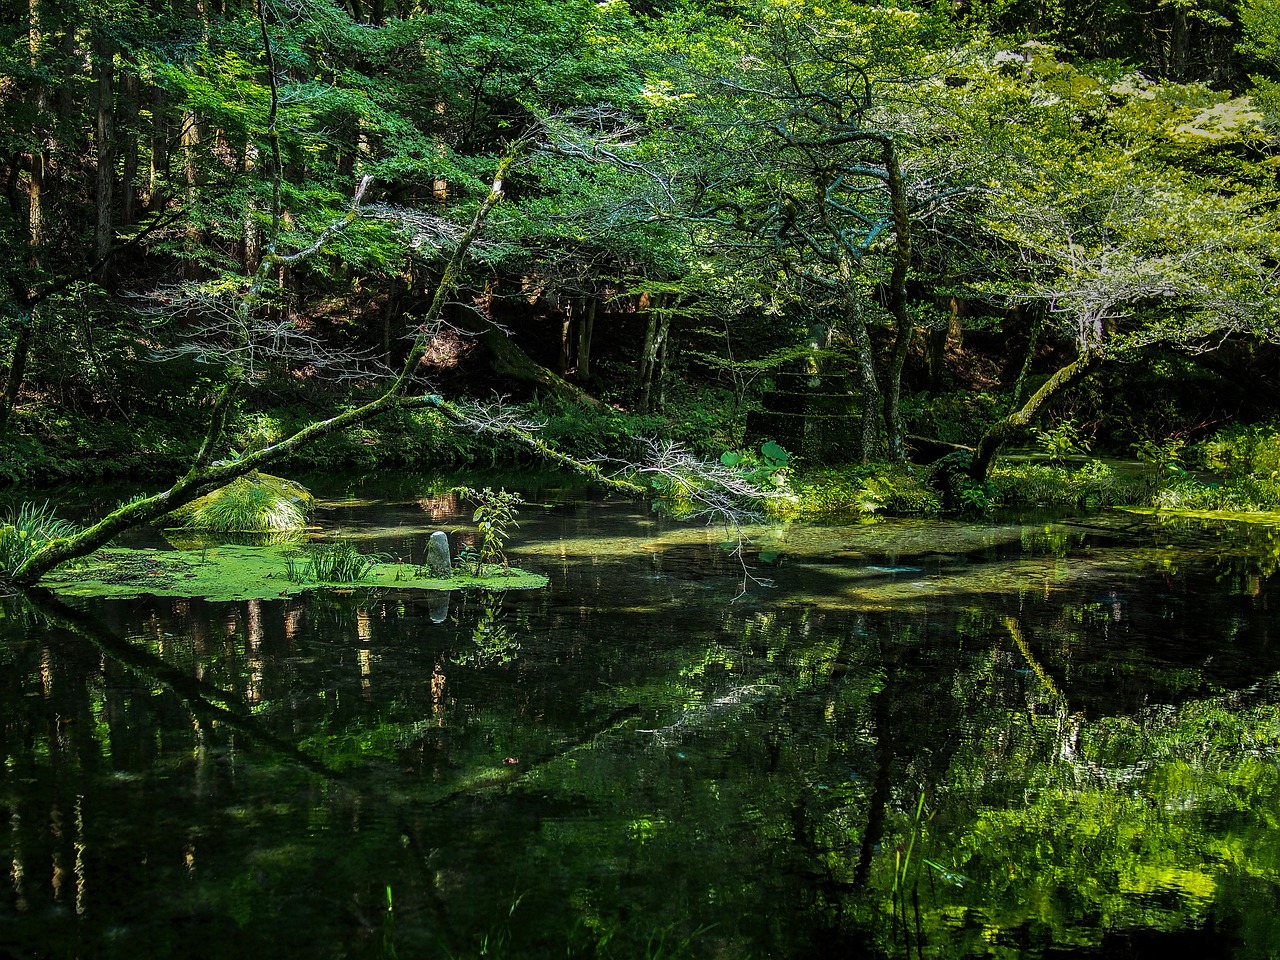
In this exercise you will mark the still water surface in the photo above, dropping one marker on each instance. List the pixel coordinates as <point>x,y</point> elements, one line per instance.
<point>1024,739</point>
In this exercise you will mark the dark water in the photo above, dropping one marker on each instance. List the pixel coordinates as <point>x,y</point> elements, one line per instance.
<point>1014,739</point>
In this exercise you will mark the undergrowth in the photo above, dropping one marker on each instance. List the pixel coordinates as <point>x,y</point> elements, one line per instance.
<point>27,529</point>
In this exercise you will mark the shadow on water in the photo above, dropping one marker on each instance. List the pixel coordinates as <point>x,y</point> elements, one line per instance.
<point>1033,738</point>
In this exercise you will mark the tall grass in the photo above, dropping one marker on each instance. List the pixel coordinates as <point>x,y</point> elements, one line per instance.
<point>254,504</point>
<point>336,562</point>
<point>25,530</point>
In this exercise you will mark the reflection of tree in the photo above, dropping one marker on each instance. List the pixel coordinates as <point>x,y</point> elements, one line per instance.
<point>776,817</point>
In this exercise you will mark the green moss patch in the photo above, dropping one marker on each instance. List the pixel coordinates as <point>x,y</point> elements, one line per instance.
<point>238,572</point>
<point>1229,516</point>
<point>256,503</point>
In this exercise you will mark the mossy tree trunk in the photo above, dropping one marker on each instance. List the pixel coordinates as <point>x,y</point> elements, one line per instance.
<point>510,361</point>
<point>1009,427</point>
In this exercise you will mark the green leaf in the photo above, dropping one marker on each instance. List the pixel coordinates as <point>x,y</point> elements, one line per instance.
<point>774,453</point>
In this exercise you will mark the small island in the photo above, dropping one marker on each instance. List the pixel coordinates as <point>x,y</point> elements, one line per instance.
<point>240,572</point>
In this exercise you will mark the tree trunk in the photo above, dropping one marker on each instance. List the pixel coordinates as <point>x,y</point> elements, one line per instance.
<point>190,141</point>
<point>652,351</point>
<point>645,367</point>
<point>129,149</point>
<point>586,328</point>
<point>159,171</point>
<point>903,328</point>
<point>38,160</point>
<point>864,358</point>
<point>510,361</point>
<point>1035,313</point>
<point>664,344</point>
<point>17,372</point>
<point>104,97</point>
<point>566,339</point>
<point>937,344</point>
<point>1003,430</point>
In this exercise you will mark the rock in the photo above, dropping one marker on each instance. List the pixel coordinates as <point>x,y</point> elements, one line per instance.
<point>438,606</point>
<point>439,560</point>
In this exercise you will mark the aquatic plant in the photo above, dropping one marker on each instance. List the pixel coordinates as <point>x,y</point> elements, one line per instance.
<point>242,572</point>
<point>335,562</point>
<point>257,503</point>
<point>26,530</point>
<point>494,516</point>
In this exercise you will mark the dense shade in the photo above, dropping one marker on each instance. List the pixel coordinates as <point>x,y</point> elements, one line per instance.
<point>628,762</point>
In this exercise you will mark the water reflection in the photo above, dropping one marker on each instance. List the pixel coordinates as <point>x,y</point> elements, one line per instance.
<point>929,740</point>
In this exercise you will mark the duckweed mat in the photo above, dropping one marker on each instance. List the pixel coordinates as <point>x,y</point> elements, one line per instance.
<point>239,572</point>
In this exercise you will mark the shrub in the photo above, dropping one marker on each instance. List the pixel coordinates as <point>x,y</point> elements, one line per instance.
<point>494,517</point>
<point>834,496</point>
<point>1248,459</point>
<point>1061,441</point>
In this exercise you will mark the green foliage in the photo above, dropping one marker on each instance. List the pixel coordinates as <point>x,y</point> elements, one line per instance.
<point>1241,450</point>
<point>1247,458</point>
<point>605,431</point>
<point>1092,485</point>
<point>335,562</point>
<point>1162,456</point>
<point>25,531</point>
<point>1062,441</point>
<point>767,468</point>
<point>494,517</point>
<point>257,503</point>
<point>959,416</point>
<point>833,495</point>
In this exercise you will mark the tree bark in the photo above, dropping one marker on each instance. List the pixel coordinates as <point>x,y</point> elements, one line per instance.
<point>652,356</point>
<point>903,328</point>
<point>16,373</point>
<point>566,339</point>
<point>158,174</point>
<point>129,84</point>
<point>1019,420</point>
<point>1036,318</point>
<point>586,328</point>
<point>864,354</point>
<point>39,161</point>
<point>105,136</point>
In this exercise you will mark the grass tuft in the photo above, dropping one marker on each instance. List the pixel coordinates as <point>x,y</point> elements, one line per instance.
<point>25,531</point>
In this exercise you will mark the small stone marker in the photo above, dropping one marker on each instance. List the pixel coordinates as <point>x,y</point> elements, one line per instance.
<point>438,606</point>
<point>439,561</point>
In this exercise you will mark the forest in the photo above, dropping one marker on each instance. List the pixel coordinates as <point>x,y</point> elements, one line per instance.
<point>869,235</point>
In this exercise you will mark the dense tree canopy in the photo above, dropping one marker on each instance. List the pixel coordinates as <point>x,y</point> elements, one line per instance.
<point>719,194</point>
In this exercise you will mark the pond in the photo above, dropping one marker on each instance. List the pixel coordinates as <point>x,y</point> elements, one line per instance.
<point>1019,738</point>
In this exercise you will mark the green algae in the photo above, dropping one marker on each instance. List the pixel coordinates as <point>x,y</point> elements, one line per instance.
<point>1228,516</point>
<point>242,572</point>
